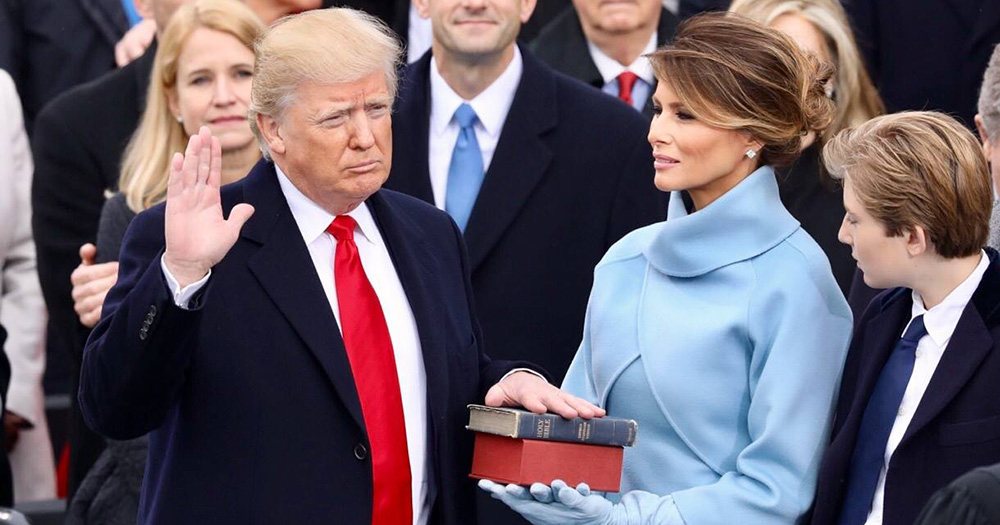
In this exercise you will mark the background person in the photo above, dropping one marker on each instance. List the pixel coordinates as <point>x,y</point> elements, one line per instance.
<point>813,198</point>
<point>987,121</point>
<point>721,330</point>
<point>22,312</point>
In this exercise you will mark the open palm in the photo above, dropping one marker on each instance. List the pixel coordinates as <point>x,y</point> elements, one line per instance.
<point>197,234</point>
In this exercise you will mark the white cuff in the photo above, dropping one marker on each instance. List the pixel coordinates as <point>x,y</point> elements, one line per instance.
<point>528,370</point>
<point>182,296</point>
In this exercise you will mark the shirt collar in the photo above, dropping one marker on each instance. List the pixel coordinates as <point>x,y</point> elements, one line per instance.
<point>942,319</point>
<point>491,106</point>
<point>610,68</point>
<point>313,220</point>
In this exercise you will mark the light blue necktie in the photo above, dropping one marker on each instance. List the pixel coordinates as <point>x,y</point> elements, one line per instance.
<point>465,173</point>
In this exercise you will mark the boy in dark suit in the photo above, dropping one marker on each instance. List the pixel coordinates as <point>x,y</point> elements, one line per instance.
<point>918,403</point>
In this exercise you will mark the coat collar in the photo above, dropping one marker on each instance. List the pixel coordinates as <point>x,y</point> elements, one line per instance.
<point>745,222</point>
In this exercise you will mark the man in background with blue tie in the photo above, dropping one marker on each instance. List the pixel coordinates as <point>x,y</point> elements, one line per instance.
<point>542,174</point>
<point>919,403</point>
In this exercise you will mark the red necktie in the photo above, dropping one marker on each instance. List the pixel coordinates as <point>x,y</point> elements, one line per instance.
<point>625,82</point>
<point>369,350</point>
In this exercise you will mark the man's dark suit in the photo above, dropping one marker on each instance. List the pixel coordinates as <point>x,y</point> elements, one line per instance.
<point>49,46</point>
<point>78,144</point>
<point>249,395</point>
<point>571,175</point>
<point>563,46</point>
<point>956,426</point>
<point>927,55</point>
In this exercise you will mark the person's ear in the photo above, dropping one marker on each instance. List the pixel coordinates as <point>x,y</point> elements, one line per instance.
<point>143,8</point>
<point>917,241</point>
<point>527,8</point>
<point>173,103</point>
<point>984,136</point>
<point>270,129</point>
<point>423,8</point>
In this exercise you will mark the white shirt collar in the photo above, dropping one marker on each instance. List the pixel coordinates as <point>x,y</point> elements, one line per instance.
<point>313,220</point>
<point>491,106</point>
<point>942,319</point>
<point>610,68</point>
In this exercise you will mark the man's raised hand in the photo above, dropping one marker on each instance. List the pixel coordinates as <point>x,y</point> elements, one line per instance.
<point>197,234</point>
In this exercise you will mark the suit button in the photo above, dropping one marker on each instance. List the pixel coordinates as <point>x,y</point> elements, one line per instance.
<point>360,451</point>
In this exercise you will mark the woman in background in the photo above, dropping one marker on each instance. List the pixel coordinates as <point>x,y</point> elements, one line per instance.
<point>813,198</point>
<point>201,77</point>
<point>722,330</point>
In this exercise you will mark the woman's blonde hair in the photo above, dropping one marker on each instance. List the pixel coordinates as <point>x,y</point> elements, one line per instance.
<point>734,73</point>
<point>146,163</point>
<point>855,96</point>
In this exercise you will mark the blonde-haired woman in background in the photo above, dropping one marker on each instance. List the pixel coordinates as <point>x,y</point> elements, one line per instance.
<point>814,199</point>
<point>201,77</point>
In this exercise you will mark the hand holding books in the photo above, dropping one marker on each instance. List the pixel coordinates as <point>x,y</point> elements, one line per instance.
<point>529,390</point>
<point>559,504</point>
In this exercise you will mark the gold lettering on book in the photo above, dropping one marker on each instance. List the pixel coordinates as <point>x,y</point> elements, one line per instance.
<point>543,428</point>
<point>583,431</point>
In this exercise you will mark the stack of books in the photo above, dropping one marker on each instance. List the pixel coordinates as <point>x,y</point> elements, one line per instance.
<point>517,446</point>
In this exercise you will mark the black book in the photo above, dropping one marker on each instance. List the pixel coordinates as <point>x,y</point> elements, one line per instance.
<point>521,424</point>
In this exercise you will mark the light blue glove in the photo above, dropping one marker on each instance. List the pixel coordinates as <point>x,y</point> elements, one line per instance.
<point>558,505</point>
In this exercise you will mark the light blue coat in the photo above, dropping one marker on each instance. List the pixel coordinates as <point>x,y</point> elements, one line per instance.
<point>723,333</point>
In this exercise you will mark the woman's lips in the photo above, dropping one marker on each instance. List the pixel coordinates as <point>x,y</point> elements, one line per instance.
<point>228,120</point>
<point>663,162</point>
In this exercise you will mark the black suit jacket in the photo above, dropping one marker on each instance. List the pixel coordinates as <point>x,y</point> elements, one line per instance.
<point>563,46</point>
<point>249,394</point>
<point>78,144</point>
<point>929,54</point>
<point>956,426</point>
<point>570,176</point>
<point>49,46</point>
<point>973,499</point>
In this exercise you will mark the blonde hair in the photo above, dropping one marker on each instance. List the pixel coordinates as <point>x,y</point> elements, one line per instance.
<point>918,168</point>
<point>146,163</point>
<point>326,46</point>
<point>734,73</point>
<point>855,96</point>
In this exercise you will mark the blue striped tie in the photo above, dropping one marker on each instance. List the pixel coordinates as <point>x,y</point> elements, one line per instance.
<point>876,425</point>
<point>465,173</point>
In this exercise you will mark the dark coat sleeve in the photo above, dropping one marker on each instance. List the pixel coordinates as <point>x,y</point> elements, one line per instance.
<point>136,357</point>
<point>973,499</point>
<point>115,218</point>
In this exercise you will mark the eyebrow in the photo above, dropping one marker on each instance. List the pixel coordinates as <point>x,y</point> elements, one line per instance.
<point>337,109</point>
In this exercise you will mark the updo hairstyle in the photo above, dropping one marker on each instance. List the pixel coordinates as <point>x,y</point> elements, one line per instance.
<point>733,73</point>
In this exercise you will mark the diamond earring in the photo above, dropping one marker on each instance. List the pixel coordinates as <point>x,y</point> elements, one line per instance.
<point>180,120</point>
<point>751,153</point>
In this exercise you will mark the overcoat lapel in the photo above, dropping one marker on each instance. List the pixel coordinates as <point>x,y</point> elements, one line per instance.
<point>519,163</point>
<point>285,271</point>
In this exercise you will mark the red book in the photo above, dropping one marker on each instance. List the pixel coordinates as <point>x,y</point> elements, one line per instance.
<point>526,461</point>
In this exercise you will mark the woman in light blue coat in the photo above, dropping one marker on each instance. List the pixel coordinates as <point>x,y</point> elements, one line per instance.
<point>722,330</point>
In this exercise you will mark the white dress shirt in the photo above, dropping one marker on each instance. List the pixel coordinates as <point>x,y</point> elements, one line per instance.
<point>940,322</point>
<point>610,69</point>
<point>313,221</point>
<point>491,106</point>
